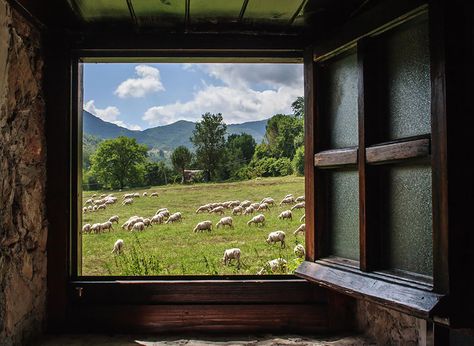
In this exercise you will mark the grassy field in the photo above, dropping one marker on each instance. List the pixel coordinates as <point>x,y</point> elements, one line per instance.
<point>174,249</point>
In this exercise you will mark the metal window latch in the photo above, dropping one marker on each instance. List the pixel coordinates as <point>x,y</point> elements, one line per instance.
<point>79,291</point>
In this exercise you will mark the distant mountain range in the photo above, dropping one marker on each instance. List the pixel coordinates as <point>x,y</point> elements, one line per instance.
<point>165,137</point>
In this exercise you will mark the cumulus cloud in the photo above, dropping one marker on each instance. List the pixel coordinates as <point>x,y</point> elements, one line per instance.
<point>109,114</point>
<point>148,81</point>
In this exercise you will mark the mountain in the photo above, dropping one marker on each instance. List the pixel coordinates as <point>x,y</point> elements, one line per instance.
<point>165,137</point>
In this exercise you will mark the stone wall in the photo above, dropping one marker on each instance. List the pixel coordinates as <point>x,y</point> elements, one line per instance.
<point>23,227</point>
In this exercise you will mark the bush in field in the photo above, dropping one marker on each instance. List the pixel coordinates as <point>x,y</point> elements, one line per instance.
<point>298,161</point>
<point>271,167</point>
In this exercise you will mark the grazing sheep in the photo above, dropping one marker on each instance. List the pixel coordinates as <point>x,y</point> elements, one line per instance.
<point>249,210</point>
<point>161,210</point>
<point>94,208</point>
<point>275,237</point>
<point>259,219</point>
<point>298,206</point>
<point>90,201</point>
<point>110,200</point>
<point>101,206</point>
<point>263,206</point>
<point>96,228</point>
<point>157,219</point>
<point>84,210</point>
<point>154,194</point>
<point>237,210</point>
<point>90,209</point>
<point>127,201</point>
<point>174,218</point>
<point>277,264</point>
<point>231,254</point>
<point>202,226</point>
<point>299,199</point>
<point>233,204</point>
<point>268,200</point>
<point>286,215</point>
<point>255,205</point>
<point>288,195</point>
<point>127,195</point>
<point>139,226</point>
<point>299,250</point>
<point>245,204</point>
<point>219,210</point>
<point>164,215</point>
<point>302,218</point>
<point>147,222</point>
<point>106,226</point>
<point>136,195</point>
<point>225,221</point>
<point>202,209</point>
<point>114,218</point>
<point>145,194</point>
<point>118,247</point>
<point>86,228</point>
<point>300,229</point>
<point>287,200</point>
<point>94,195</point>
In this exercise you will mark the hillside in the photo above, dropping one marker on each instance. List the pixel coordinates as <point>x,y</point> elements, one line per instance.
<point>165,137</point>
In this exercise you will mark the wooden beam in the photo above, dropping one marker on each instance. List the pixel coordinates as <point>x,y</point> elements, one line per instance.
<point>336,158</point>
<point>398,151</point>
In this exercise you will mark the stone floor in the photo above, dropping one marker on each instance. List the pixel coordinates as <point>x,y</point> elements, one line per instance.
<point>264,340</point>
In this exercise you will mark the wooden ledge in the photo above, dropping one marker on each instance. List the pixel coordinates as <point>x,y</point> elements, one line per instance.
<point>398,151</point>
<point>336,158</point>
<point>397,295</point>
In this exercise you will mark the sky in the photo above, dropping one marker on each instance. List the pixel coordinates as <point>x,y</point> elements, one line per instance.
<point>140,96</point>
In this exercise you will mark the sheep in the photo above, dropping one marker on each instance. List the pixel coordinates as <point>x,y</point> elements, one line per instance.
<point>145,194</point>
<point>90,201</point>
<point>161,210</point>
<point>139,226</point>
<point>263,206</point>
<point>245,204</point>
<point>237,210</point>
<point>233,204</point>
<point>174,218</point>
<point>127,201</point>
<point>164,214</point>
<point>249,210</point>
<point>298,206</point>
<point>136,195</point>
<point>277,264</point>
<point>299,250</point>
<point>96,228</point>
<point>302,218</point>
<point>94,208</point>
<point>90,209</point>
<point>225,221</point>
<point>118,247</point>
<point>288,195</point>
<point>268,200</point>
<point>286,215</point>
<point>275,237</point>
<point>102,195</point>
<point>101,206</point>
<point>231,254</point>
<point>255,205</point>
<point>127,195</point>
<point>106,226</point>
<point>154,194</point>
<point>157,219</point>
<point>202,208</point>
<point>84,210</point>
<point>300,229</point>
<point>110,200</point>
<point>219,210</point>
<point>114,218</point>
<point>287,200</point>
<point>147,222</point>
<point>94,195</point>
<point>86,228</point>
<point>299,199</point>
<point>204,225</point>
<point>259,219</point>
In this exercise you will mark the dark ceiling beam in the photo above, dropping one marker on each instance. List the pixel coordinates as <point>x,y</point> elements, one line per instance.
<point>242,10</point>
<point>187,19</point>
<point>133,15</point>
<point>293,17</point>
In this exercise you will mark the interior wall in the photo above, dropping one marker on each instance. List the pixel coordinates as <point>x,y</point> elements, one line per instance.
<point>23,226</point>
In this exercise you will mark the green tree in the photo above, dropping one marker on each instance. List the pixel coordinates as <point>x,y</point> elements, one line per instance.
<point>208,138</point>
<point>298,107</point>
<point>244,144</point>
<point>157,173</point>
<point>281,133</point>
<point>181,158</point>
<point>119,162</point>
<point>298,161</point>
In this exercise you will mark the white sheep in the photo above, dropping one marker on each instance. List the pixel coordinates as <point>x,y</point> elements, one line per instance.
<point>249,210</point>
<point>268,200</point>
<point>161,210</point>
<point>287,200</point>
<point>217,210</point>
<point>275,237</point>
<point>138,226</point>
<point>237,210</point>
<point>84,210</point>
<point>86,228</point>
<point>231,254</point>
<point>287,214</point>
<point>164,214</point>
<point>202,226</point>
<point>94,195</point>
<point>259,219</point>
<point>255,205</point>
<point>96,228</point>
<point>147,222</point>
<point>202,208</point>
<point>90,201</point>
<point>288,195</point>
<point>127,201</point>
<point>300,229</point>
<point>174,218</point>
<point>106,226</point>
<point>145,194</point>
<point>245,204</point>
<point>302,218</point>
<point>299,199</point>
<point>298,206</point>
<point>154,194</point>
<point>136,195</point>
<point>118,247</point>
<point>233,204</point>
<point>127,195</point>
<point>101,206</point>
<point>299,250</point>
<point>263,206</point>
<point>277,264</point>
<point>90,209</point>
<point>114,218</point>
<point>225,221</point>
<point>157,219</point>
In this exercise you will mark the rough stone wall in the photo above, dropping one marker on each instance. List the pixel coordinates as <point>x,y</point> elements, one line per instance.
<point>390,327</point>
<point>23,227</point>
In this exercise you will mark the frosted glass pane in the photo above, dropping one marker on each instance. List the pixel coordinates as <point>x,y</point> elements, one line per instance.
<point>343,218</point>
<point>407,218</point>
<point>339,100</point>
<point>408,93</point>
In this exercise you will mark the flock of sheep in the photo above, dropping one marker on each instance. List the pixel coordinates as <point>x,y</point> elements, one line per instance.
<point>238,208</point>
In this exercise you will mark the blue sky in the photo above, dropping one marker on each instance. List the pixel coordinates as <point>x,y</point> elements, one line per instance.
<point>139,96</point>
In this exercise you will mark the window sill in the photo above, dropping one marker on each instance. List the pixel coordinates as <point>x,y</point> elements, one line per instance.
<point>412,297</point>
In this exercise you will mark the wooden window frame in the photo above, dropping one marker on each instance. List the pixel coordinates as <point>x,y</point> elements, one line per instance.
<point>363,279</point>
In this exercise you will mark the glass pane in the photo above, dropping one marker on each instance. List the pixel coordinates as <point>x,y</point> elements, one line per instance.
<point>339,100</point>
<point>407,218</point>
<point>343,198</point>
<point>408,88</point>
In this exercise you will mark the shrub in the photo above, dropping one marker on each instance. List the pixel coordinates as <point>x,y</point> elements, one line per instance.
<point>298,161</point>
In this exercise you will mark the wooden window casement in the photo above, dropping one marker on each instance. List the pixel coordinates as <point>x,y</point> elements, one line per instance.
<point>371,194</point>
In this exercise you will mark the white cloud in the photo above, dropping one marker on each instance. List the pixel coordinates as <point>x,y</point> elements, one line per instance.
<point>109,114</point>
<point>148,81</point>
<point>237,105</point>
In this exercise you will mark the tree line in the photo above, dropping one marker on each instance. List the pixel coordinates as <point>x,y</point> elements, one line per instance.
<point>122,162</point>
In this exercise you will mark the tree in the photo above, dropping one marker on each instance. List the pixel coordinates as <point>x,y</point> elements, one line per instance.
<point>243,143</point>
<point>119,162</point>
<point>298,161</point>
<point>157,173</point>
<point>208,138</point>
<point>181,158</point>
<point>281,133</point>
<point>298,107</point>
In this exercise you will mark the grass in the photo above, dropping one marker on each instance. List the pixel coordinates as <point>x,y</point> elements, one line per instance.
<point>174,249</point>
